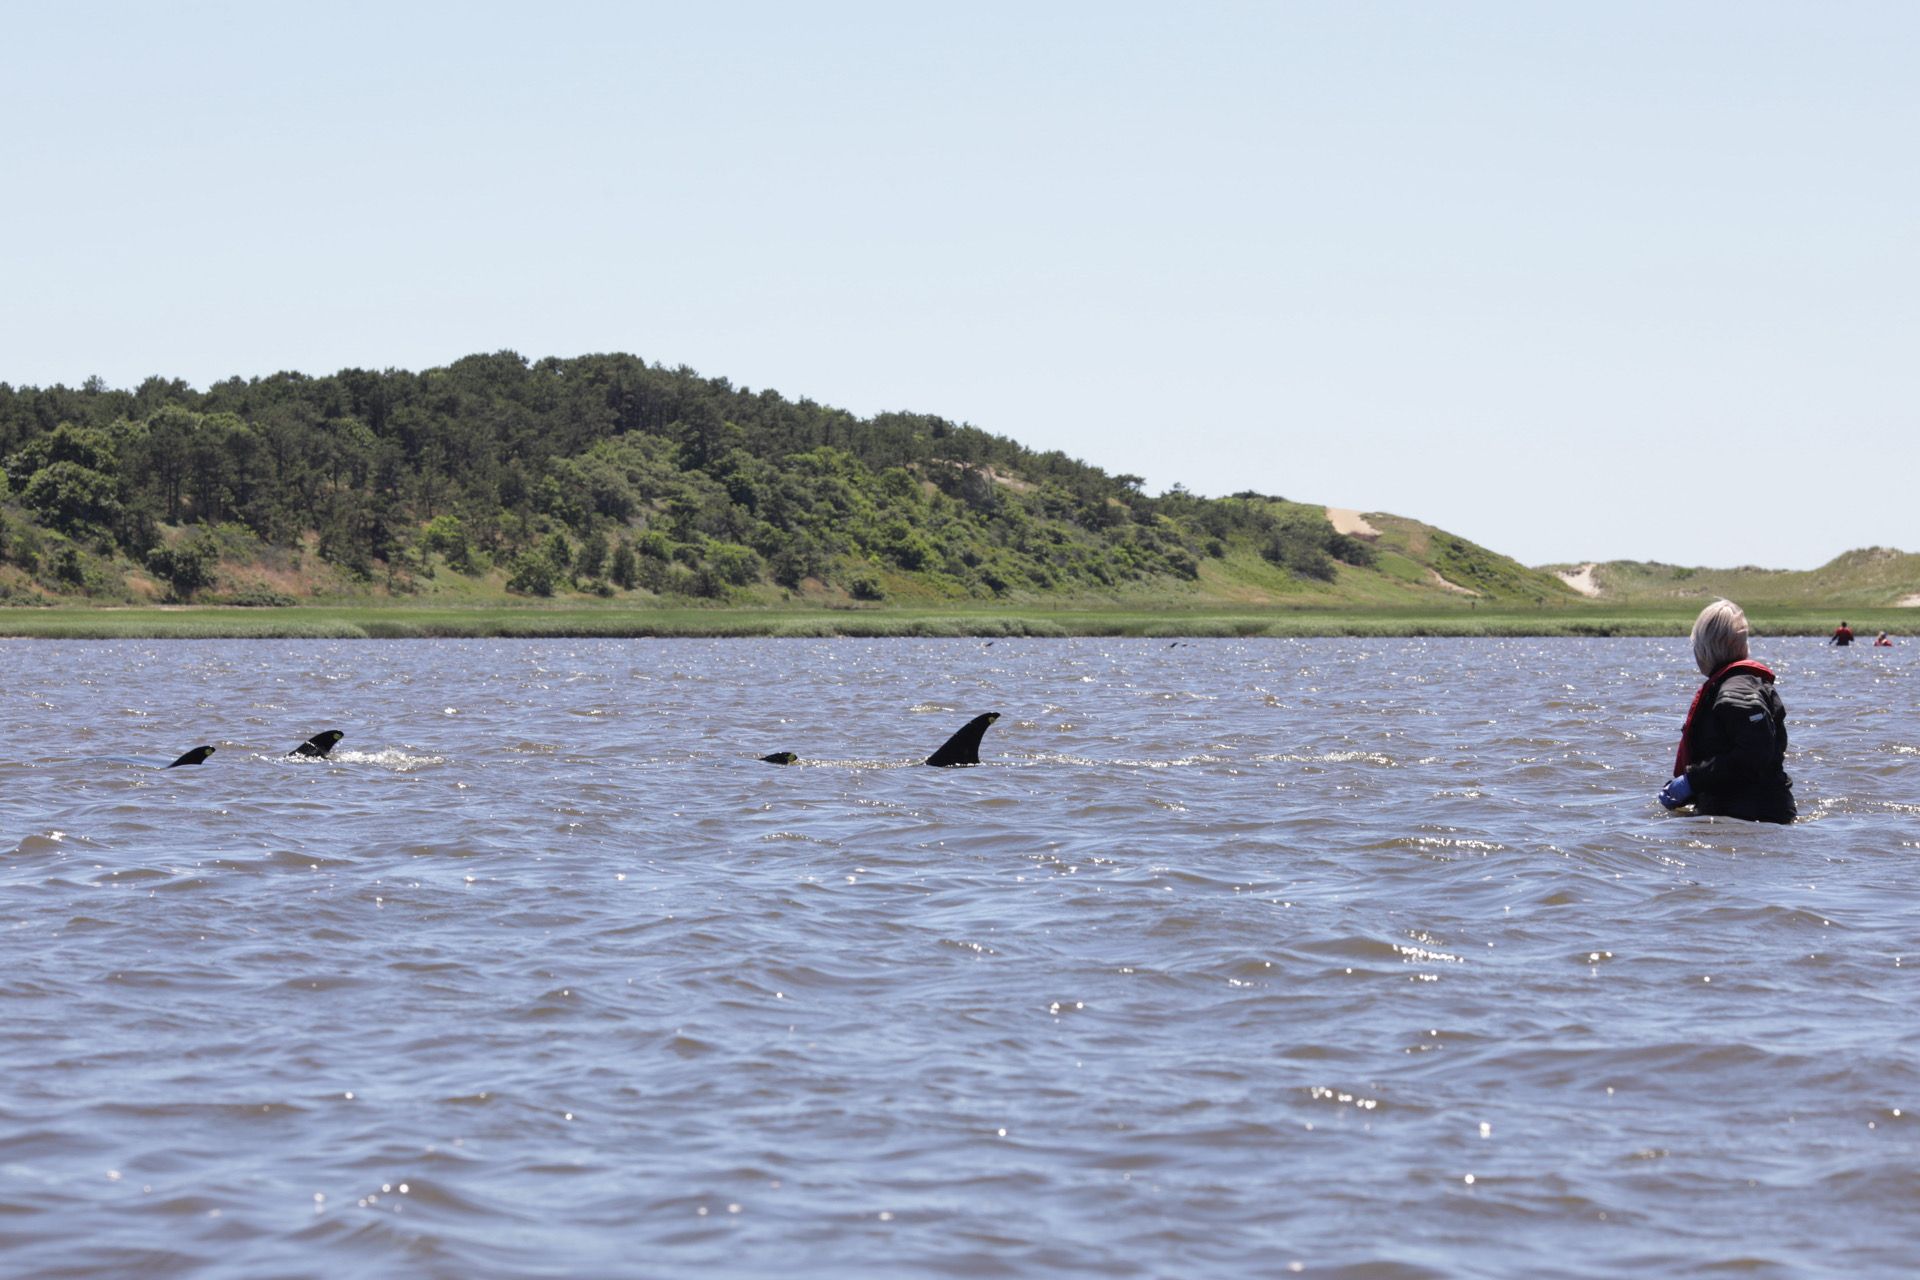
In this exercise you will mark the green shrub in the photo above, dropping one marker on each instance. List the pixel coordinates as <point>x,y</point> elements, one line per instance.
<point>68,571</point>
<point>532,574</point>
<point>624,572</point>
<point>257,595</point>
<point>447,535</point>
<point>593,556</point>
<point>186,567</point>
<point>734,564</point>
<point>73,499</point>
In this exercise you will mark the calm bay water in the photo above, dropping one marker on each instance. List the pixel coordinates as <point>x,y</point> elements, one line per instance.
<point>1234,958</point>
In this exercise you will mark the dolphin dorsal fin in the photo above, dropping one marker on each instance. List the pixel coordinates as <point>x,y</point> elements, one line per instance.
<point>964,746</point>
<point>318,745</point>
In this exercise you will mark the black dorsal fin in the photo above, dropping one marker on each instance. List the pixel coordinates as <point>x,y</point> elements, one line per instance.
<point>964,746</point>
<point>318,745</point>
<point>782,757</point>
<point>195,756</point>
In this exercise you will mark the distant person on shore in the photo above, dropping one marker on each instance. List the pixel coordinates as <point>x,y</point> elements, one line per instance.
<point>1735,738</point>
<point>1842,634</point>
<point>1881,642</point>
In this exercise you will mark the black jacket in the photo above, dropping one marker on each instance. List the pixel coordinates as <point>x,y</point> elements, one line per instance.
<point>1736,748</point>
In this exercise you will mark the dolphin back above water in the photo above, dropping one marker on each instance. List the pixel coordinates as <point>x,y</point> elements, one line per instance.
<point>964,746</point>
<point>196,756</point>
<point>318,745</point>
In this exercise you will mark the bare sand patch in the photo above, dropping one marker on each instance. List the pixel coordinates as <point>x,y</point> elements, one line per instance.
<point>1580,579</point>
<point>1908,602</point>
<point>1014,483</point>
<point>1434,578</point>
<point>1350,522</point>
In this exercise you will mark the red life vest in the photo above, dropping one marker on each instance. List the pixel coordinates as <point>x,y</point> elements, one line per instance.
<point>1703,697</point>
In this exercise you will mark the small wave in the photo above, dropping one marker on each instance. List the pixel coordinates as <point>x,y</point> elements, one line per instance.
<point>391,758</point>
<point>1054,757</point>
<point>280,860</point>
<point>1332,757</point>
<point>859,764</point>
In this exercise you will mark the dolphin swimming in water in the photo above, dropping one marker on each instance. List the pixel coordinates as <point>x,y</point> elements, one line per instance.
<point>196,756</point>
<point>318,745</point>
<point>782,757</point>
<point>964,746</point>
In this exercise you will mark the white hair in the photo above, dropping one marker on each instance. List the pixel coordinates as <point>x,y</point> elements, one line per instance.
<point>1719,636</point>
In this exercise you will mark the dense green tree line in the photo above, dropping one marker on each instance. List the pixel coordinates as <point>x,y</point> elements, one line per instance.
<point>597,473</point>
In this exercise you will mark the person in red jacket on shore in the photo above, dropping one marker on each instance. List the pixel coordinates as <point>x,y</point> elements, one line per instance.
<point>1734,742</point>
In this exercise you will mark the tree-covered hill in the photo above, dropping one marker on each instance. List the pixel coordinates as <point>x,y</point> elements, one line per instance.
<point>603,474</point>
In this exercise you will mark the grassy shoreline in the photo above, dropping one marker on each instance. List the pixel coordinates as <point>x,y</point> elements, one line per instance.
<point>413,621</point>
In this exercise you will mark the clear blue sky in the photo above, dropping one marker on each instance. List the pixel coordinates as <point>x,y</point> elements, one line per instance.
<point>1576,281</point>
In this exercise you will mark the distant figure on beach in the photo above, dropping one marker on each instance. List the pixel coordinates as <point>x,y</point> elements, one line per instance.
<point>1881,642</point>
<point>1735,739</point>
<point>1842,634</point>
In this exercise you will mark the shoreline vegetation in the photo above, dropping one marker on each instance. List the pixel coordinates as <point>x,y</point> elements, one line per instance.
<point>412,621</point>
<point>603,495</point>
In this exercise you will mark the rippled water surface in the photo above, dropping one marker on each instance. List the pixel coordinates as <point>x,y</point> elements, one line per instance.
<point>1232,959</point>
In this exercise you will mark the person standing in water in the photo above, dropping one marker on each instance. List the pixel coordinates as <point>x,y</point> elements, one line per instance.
<point>1842,634</point>
<point>1735,739</point>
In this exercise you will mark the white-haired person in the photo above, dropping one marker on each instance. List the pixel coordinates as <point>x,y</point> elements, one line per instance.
<point>1735,740</point>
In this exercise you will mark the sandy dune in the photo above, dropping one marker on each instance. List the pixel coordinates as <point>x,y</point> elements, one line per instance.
<point>1580,580</point>
<point>1350,522</point>
<point>1434,579</point>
